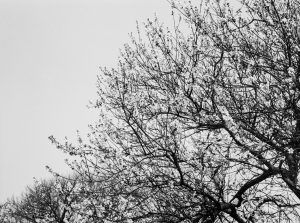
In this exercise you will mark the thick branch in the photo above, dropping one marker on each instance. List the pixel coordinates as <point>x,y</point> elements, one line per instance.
<point>252,183</point>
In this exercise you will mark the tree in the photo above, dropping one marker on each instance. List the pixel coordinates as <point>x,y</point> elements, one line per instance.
<point>46,201</point>
<point>200,123</point>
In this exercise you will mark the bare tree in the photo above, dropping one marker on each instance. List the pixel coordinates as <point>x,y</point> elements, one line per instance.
<point>201,122</point>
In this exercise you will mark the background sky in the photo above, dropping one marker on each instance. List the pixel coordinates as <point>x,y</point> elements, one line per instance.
<point>50,53</point>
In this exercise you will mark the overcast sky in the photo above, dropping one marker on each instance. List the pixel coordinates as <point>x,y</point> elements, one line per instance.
<point>50,53</point>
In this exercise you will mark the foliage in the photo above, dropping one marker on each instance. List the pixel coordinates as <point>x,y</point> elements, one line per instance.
<point>45,202</point>
<point>199,123</point>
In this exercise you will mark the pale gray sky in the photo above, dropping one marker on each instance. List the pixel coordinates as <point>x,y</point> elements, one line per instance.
<point>50,53</point>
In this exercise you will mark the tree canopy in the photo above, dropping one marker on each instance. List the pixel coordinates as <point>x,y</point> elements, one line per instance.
<point>47,201</point>
<point>199,122</point>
